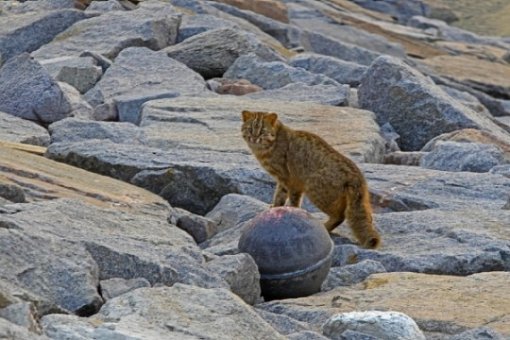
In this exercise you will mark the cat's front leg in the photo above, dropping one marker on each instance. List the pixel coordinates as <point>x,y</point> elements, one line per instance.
<point>295,198</point>
<point>280,196</point>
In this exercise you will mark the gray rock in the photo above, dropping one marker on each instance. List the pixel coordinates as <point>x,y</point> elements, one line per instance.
<point>129,106</point>
<point>110,33</point>
<point>12,331</point>
<point>231,214</point>
<point>101,60</point>
<point>282,323</point>
<point>13,7</point>
<point>139,75</point>
<point>79,106</point>
<point>482,333</point>
<point>241,273</point>
<point>35,263</point>
<point>195,24</point>
<point>503,170</point>
<point>344,72</point>
<point>199,227</point>
<point>105,6</point>
<point>211,53</point>
<point>336,95</point>
<point>288,35</point>
<point>467,99</point>
<point>338,31</point>
<point>390,88</point>
<point>351,274</point>
<point>12,192</point>
<point>453,156</point>
<point>402,10</point>
<point>28,91</point>
<point>322,44</point>
<point>82,77</point>
<point>73,130</point>
<point>18,130</point>
<point>353,335</point>
<point>28,32</point>
<point>100,244</point>
<point>497,107</point>
<point>306,335</point>
<point>272,75</point>
<point>451,33</point>
<point>23,314</point>
<point>114,287</point>
<point>412,158</point>
<point>80,72</point>
<point>177,312</point>
<point>383,325</point>
<point>12,294</point>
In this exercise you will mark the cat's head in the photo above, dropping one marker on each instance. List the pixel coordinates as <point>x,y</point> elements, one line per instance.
<point>259,128</point>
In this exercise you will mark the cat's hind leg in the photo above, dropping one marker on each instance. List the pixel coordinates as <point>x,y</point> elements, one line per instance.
<point>334,221</point>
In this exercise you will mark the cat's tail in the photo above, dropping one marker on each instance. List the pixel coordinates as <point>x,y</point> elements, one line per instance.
<point>359,216</point>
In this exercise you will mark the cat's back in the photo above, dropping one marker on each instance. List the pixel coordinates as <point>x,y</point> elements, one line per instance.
<point>312,151</point>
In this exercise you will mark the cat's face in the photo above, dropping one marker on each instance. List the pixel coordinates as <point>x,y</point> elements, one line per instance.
<point>259,128</point>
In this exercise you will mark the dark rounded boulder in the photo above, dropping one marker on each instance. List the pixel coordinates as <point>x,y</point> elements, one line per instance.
<point>292,251</point>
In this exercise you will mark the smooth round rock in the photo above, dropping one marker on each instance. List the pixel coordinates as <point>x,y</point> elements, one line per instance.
<point>292,250</point>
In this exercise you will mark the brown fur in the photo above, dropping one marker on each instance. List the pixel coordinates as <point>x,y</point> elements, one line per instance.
<point>303,163</point>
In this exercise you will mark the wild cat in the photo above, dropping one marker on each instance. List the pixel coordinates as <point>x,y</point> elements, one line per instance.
<point>303,163</point>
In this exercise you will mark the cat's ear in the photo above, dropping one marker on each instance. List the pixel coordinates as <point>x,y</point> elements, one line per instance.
<point>247,115</point>
<point>271,118</point>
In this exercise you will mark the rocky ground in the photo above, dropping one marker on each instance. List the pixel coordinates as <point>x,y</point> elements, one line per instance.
<point>125,183</point>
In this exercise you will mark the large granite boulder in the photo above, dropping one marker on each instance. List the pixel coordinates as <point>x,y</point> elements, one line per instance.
<point>139,75</point>
<point>153,26</point>
<point>177,312</point>
<point>211,53</point>
<point>28,91</point>
<point>416,108</point>
<point>29,31</point>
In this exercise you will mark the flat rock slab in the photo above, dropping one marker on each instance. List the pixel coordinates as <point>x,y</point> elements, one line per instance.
<point>491,78</point>
<point>41,178</point>
<point>110,33</point>
<point>442,304</point>
<point>28,31</point>
<point>177,312</point>
<point>215,123</point>
<point>18,130</point>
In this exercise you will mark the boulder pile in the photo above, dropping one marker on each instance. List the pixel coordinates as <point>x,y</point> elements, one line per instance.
<point>125,184</point>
